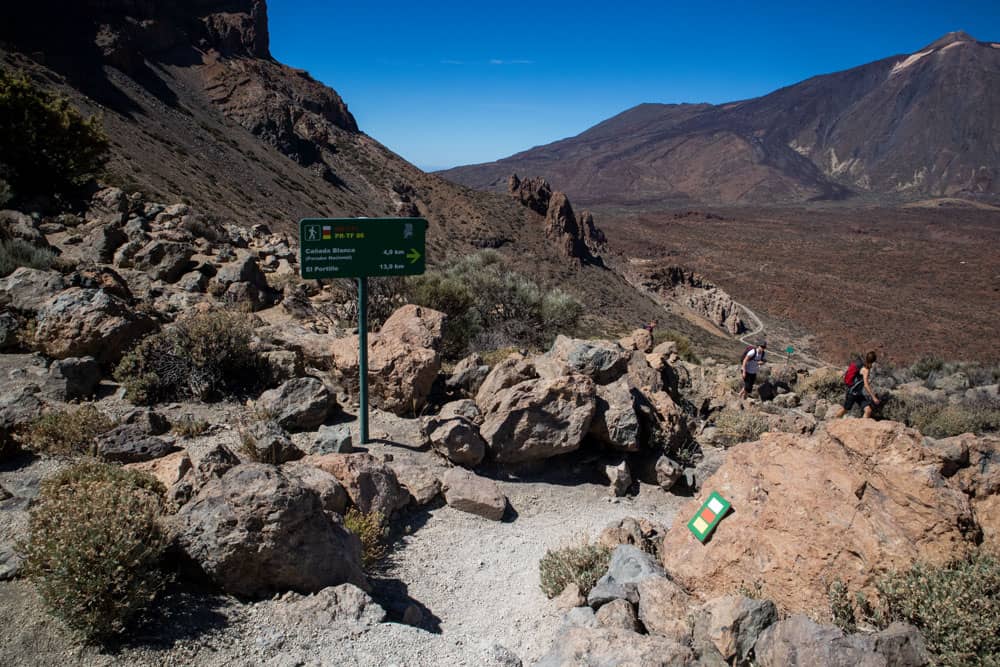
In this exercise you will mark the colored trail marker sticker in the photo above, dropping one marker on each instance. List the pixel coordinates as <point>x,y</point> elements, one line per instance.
<point>708,517</point>
<point>790,349</point>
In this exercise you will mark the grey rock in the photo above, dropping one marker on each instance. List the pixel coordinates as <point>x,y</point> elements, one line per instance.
<point>9,328</point>
<point>10,561</point>
<point>128,443</point>
<point>468,375</point>
<point>499,656</point>
<point>371,484</point>
<point>150,421</point>
<point>243,270</point>
<point>616,422</point>
<point>283,365</point>
<point>465,408</point>
<point>164,260</point>
<point>603,361</point>
<point>333,440</point>
<point>257,531</point>
<point>270,443</point>
<point>619,478</point>
<point>334,604</point>
<point>71,379</point>
<point>458,440</point>
<point>26,289</point>
<point>667,472</point>
<point>331,493</point>
<point>470,493</point>
<point>124,256</point>
<point>797,641</point>
<point>301,404</point>
<point>581,617</point>
<point>100,245</point>
<point>618,614</point>
<point>627,568</point>
<point>610,647</point>
<point>732,624</point>
<point>193,281</point>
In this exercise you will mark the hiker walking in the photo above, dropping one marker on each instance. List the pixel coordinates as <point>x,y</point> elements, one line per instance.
<point>753,357</point>
<point>650,326</point>
<point>859,387</point>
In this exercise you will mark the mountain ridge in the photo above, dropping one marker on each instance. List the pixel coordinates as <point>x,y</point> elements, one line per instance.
<point>899,128</point>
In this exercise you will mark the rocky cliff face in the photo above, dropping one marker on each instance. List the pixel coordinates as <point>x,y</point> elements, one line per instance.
<point>689,289</point>
<point>576,239</point>
<point>908,126</point>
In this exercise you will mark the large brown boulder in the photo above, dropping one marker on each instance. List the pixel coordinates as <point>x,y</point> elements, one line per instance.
<point>257,531</point>
<point>371,484</point>
<point>601,360</point>
<point>513,370</point>
<point>26,289</point>
<point>537,419</point>
<point>404,359</point>
<point>88,322</point>
<point>848,503</point>
<point>616,422</point>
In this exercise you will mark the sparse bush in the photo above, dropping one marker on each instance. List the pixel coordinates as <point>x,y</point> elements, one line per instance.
<point>939,419</point>
<point>684,349</point>
<point>94,545</point>
<point>927,366</point>
<point>189,426</point>
<point>956,606</point>
<point>740,425</point>
<point>16,252</point>
<point>67,433</point>
<point>489,306</point>
<point>207,355</point>
<point>48,149</point>
<point>582,564</point>
<point>825,383</point>
<point>372,530</point>
<point>841,608</point>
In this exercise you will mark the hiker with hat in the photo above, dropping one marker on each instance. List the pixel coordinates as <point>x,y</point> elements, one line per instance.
<point>859,388</point>
<point>753,357</point>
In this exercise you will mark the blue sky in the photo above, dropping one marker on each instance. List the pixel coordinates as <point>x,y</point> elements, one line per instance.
<point>450,83</point>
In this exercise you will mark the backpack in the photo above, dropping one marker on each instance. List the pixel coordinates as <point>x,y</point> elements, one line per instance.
<point>746,352</point>
<point>852,376</point>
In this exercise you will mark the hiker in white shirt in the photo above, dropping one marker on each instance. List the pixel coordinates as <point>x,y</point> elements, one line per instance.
<point>752,360</point>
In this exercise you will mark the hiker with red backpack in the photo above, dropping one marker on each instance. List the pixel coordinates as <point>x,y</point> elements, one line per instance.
<point>859,388</point>
<point>753,357</point>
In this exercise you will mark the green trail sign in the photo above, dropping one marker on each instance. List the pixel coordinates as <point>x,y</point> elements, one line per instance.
<point>362,247</point>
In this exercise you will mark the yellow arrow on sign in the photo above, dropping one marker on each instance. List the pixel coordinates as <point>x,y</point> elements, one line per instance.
<point>413,255</point>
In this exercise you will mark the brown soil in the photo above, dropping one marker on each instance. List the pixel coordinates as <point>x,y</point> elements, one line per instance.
<point>909,282</point>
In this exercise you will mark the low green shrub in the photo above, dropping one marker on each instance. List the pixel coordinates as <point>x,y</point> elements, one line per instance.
<point>841,608</point>
<point>489,307</point>
<point>207,356</point>
<point>67,432</point>
<point>940,419</point>
<point>16,252</point>
<point>956,606</point>
<point>684,349</point>
<point>825,383</point>
<point>582,564</point>
<point>737,426</point>
<point>924,367</point>
<point>372,530</point>
<point>94,545</point>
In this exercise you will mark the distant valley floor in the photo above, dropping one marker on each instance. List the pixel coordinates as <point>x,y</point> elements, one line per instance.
<point>908,282</point>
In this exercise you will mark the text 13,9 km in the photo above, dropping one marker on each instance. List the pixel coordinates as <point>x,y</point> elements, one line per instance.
<point>362,247</point>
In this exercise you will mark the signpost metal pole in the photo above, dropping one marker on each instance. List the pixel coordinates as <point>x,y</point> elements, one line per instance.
<point>363,356</point>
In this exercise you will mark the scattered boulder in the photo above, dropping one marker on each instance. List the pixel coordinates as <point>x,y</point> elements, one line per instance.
<point>404,361</point>
<point>129,443</point>
<point>663,608</point>
<point>17,408</point>
<point>639,339</point>
<point>88,322</point>
<point>618,614</point>
<point>168,470</point>
<point>627,568</point>
<point>71,379</point>
<point>569,598</point>
<point>641,533</point>
<point>332,495</point>
<point>470,493</point>
<point>26,289</point>
<point>163,260</point>
<point>257,531</point>
<point>511,371</point>
<point>667,472</point>
<point>333,440</point>
<point>100,244</point>
<point>468,375</point>
<point>602,361</point>
<point>301,404</point>
<point>797,641</point>
<point>269,443</point>
<point>615,421</point>
<point>422,481</point>
<point>867,496</point>
<point>619,478</point>
<point>613,646</point>
<point>283,365</point>
<point>537,419</point>
<point>371,484</point>
<point>465,408</point>
<point>732,624</point>
<point>149,421</point>
<point>334,604</point>
<point>458,440</point>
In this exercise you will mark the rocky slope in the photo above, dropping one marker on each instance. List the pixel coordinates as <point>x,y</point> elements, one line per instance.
<point>905,127</point>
